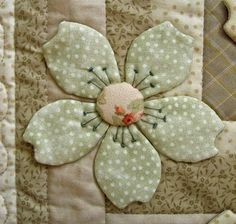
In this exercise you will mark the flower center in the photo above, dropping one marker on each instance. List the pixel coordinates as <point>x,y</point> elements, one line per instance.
<point>120,104</point>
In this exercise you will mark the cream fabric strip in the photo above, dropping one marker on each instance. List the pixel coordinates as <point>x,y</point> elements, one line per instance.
<point>159,219</point>
<point>7,75</point>
<point>226,142</point>
<point>188,17</point>
<point>73,195</point>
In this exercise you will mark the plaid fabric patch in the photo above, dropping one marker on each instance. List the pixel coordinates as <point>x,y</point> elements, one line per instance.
<point>219,77</point>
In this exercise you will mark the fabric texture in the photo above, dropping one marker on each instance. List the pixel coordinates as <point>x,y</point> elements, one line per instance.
<point>219,69</point>
<point>189,132</point>
<point>3,101</point>
<point>187,186</point>
<point>156,56</point>
<point>31,94</point>
<point>65,175</point>
<point>74,181</point>
<point>128,172</point>
<point>3,210</point>
<point>226,217</point>
<point>158,218</point>
<point>3,112</point>
<point>57,133</point>
<point>1,42</point>
<point>124,24</point>
<point>78,49</point>
<point>127,19</point>
<point>120,109</point>
<point>45,131</point>
<point>230,27</point>
<point>188,17</point>
<point>7,125</point>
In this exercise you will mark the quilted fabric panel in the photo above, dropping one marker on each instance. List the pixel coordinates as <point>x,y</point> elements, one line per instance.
<point>7,125</point>
<point>31,94</point>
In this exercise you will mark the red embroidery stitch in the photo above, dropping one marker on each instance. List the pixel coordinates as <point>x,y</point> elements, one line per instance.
<point>128,119</point>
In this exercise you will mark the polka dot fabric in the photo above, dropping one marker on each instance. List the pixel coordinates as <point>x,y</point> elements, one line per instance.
<point>127,165</point>
<point>130,173</point>
<point>162,56</point>
<point>57,133</point>
<point>77,55</point>
<point>189,131</point>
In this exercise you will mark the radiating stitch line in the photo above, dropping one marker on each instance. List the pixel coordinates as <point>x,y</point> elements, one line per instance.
<point>105,71</point>
<point>93,72</point>
<point>132,136</point>
<point>154,124</point>
<point>141,81</point>
<point>83,124</point>
<point>95,84</point>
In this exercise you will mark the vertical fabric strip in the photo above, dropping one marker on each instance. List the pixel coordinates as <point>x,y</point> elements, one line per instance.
<point>7,126</point>
<point>73,194</point>
<point>31,95</point>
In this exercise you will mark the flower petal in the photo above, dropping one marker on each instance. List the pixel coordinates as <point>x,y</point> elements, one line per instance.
<point>225,217</point>
<point>182,128</point>
<point>3,101</point>
<point>159,59</point>
<point>130,171</point>
<point>3,211</point>
<point>81,60</point>
<point>64,131</point>
<point>3,158</point>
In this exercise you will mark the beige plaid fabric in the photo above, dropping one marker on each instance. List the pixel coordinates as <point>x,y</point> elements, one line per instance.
<point>219,78</point>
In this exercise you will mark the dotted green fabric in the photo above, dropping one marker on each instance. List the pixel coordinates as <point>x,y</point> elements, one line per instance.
<point>129,173</point>
<point>57,134</point>
<point>189,130</point>
<point>72,52</point>
<point>127,165</point>
<point>160,56</point>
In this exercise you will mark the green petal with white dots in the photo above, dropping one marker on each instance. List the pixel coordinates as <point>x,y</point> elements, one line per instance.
<point>129,173</point>
<point>159,59</point>
<point>81,60</point>
<point>64,131</point>
<point>182,128</point>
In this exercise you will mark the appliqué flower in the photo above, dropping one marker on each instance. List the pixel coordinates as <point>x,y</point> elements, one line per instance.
<point>127,165</point>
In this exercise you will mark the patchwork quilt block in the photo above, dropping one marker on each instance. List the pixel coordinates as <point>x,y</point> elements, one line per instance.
<point>117,112</point>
